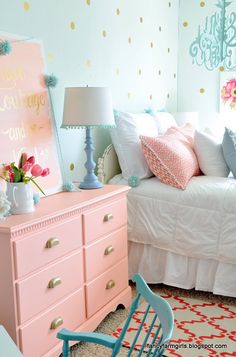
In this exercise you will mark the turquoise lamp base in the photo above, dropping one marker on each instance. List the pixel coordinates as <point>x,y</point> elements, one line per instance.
<point>90,180</point>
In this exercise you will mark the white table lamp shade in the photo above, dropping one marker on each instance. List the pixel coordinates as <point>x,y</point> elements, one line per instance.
<point>87,107</point>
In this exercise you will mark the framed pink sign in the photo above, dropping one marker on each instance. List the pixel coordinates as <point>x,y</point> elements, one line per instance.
<point>25,117</point>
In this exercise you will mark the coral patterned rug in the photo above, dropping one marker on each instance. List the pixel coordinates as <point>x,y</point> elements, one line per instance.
<point>202,329</point>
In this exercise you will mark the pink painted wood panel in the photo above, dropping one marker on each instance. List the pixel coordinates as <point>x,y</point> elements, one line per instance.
<point>34,248</point>
<point>37,338</point>
<point>97,295</point>
<point>96,223</point>
<point>69,270</point>
<point>96,259</point>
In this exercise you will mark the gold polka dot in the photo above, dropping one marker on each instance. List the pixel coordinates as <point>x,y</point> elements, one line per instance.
<point>88,63</point>
<point>129,95</point>
<point>202,90</point>
<point>202,3</point>
<point>26,6</point>
<point>159,28</point>
<point>117,71</point>
<point>151,44</point>
<point>169,4</point>
<point>168,95</point>
<point>72,25</point>
<point>141,20</point>
<point>159,72</point>
<point>118,12</point>
<point>221,68</point>
<point>50,56</point>
<point>88,2</point>
<point>139,72</point>
<point>168,50</point>
<point>129,40</point>
<point>72,167</point>
<point>174,75</point>
<point>185,24</point>
<point>104,34</point>
<point>150,96</point>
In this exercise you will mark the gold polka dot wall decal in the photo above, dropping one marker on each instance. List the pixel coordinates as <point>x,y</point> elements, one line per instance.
<point>117,71</point>
<point>174,75</point>
<point>141,20</point>
<point>72,25</point>
<point>202,3</point>
<point>222,68</point>
<point>151,44</point>
<point>104,34</point>
<point>168,95</point>
<point>168,50</point>
<point>202,90</point>
<point>159,28</point>
<point>129,95</point>
<point>159,72</point>
<point>50,56</point>
<point>150,96</point>
<point>117,12</point>
<point>88,63</point>
<point>169,4</point>
<point>88,2</point>
<point>185,24</point>
<point>26,6</point>
<point>129,40</point>
<point>139,72</point>
<point>72,167</point>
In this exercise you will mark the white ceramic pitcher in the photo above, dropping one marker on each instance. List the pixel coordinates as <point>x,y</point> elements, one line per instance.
<point>21,197</point>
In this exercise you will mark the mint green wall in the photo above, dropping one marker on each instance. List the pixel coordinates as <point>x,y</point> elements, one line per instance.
<point>198,88</point>
<point>128,45</point>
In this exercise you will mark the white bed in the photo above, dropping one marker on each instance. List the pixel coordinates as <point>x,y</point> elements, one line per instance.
<point>181,238</point>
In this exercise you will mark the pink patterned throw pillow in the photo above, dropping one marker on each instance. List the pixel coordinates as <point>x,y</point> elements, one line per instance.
<point>171,157</point>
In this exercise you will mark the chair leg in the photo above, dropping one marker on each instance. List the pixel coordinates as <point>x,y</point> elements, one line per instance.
<point>66,349</point>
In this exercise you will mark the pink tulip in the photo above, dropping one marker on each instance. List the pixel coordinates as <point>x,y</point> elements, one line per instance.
<point>23,159</point>
<point>45,172</point>
<point>26,166</point>
<point>31,160</point>
<point>11,177</point>
<point>36,170</point>
<point>8,168</point>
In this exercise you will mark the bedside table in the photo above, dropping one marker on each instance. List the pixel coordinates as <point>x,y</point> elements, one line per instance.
<point>64,265</point>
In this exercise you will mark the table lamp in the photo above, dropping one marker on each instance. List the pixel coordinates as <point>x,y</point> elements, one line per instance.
<point>88,107</point>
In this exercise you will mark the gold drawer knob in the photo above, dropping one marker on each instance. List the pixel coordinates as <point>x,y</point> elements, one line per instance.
<point>54,282</point>
<point>110,284</point>
<point>108,217</point>
<point>108,250</point>
<point>56,323</point>
<point>52,242</point>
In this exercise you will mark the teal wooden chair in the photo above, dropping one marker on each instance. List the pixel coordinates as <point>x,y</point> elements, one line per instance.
<point>160,335</point>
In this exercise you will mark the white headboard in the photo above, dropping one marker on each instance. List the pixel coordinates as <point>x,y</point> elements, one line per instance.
<point>108,165</point>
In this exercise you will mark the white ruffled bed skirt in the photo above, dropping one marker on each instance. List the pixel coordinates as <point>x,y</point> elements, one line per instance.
<point>160,266</point>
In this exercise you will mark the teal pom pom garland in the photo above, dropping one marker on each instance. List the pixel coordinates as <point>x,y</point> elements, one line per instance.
<point>5,48</point>
<point>133,181</point>
<point>50,80</point>
<point>36,198</point>
<point>69,186</point>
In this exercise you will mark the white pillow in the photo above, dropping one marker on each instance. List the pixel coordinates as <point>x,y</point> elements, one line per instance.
<point>127,144</point>
<point>164,121</point>
<point>210,155</point>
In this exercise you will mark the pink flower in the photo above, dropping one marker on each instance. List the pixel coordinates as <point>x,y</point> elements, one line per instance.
<point>45,172</point>
<point>31,160</point>
<point>8,168</point>
<point>23,159</point>
<point>36,170</point>
<point>11,177</point>
<point>26,166</point>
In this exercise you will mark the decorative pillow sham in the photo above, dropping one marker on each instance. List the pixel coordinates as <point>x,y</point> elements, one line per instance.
<point>229,149</point>
<point>171,158</point>
<point>127,144</point>
<point>163,120</point>
<point>210,155</point>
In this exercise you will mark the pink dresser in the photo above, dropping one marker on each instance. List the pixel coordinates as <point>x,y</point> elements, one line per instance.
<point>65,265</point>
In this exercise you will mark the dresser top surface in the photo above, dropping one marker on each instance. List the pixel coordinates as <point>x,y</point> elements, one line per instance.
<point>61,203</point>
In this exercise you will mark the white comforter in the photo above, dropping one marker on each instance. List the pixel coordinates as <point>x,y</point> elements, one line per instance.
<point>199,222</point>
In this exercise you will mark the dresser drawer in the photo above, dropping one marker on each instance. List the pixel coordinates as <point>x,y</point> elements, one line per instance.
<point>106,252</point>
<point>104,288</point>
<point>103,220</point>
<point>37,337</point>
<point>41,248</point>
<point>49,286</point>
